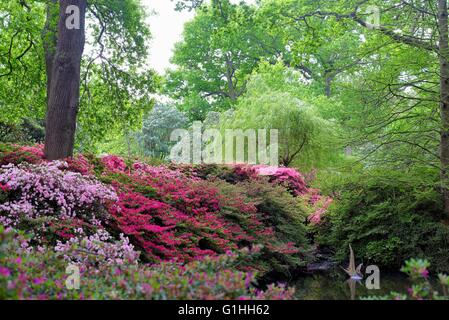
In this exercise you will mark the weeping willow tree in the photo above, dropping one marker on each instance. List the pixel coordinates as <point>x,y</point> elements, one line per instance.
<point>272,101</point>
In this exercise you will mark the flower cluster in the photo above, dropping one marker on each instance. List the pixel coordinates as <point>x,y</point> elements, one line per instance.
<point>46,190</point>
<point>170,214</point>
<point>80,164</point>
<point>113,163</point>
<point>320,204</point>
<point>97,249</point>
<point>185,222</point>
<point>18,154</point>
<point>291,179</point>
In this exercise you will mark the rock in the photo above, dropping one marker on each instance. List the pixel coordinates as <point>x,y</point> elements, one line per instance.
<point>321,266</point>
<point>324,261</point>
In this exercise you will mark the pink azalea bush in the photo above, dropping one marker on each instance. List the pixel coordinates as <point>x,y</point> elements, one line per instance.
<point>64,208</point>
<point>320,205</point>
<point>290,178</point>
<point>46,190</point>
<point>113,163</point>
<point>40,274</point>
<point>97,249</point>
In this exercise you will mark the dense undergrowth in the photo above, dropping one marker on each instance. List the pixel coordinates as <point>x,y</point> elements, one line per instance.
<point>388,218</point>
<point>106,212</point>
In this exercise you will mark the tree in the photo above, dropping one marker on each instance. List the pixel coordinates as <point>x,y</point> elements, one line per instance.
<point>115,84</point>
<point>322,51</point>
<point>21,66</point>
<point>157,128</point>
<point>219,50</point>
<point>421,25</point>
<point>63,97</point>
<point>272,102</point>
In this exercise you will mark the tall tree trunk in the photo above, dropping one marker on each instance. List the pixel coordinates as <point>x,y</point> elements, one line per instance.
<point>63,99</point>
<point>50,39</point>
<point>444,100</point>
<point>229,74</point>
<point>328,85</point>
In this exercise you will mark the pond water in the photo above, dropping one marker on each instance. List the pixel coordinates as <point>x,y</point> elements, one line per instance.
<point>336,286</point>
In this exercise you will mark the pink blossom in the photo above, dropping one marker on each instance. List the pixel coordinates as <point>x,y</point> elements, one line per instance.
<point>5,272</point>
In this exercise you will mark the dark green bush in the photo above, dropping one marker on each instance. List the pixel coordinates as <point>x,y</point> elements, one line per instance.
<point>27,131</point>
<point>279,210</point>
<point>387,219</point>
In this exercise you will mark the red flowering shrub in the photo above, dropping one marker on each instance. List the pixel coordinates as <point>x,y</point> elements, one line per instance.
<point>188,224</point>
<point>114,163</point>
<point>17,154</point>
<point>161,231</point>
<point>173,216</point>
<point>13,154</point>
<point>80,164</point>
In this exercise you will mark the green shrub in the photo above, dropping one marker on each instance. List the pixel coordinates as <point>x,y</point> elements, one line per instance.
<point>278,210</point>
<point>26,131</point>
<point>387,221</point>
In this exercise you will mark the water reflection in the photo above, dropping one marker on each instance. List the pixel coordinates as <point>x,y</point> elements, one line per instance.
<point>352,283</point>
<point>336,286</point>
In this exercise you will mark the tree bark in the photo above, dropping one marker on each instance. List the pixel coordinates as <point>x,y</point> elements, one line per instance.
<point>63,97</point>
<point>50,40</point>
<point>444,100</point>
<point>229,74</point>
<point>328,84</point>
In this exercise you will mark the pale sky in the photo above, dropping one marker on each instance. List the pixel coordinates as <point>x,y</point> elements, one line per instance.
<point>166,27</point>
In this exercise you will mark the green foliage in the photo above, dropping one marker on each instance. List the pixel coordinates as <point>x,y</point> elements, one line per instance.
<point>22,78</point>
<point>272,102</point>
<point>29,131</point>
<point>157,128</point>
<point>194,106</point>
<point>115,82</point>
<point>221,47</point>
<point>388,218</point>
<point>277,208</point>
